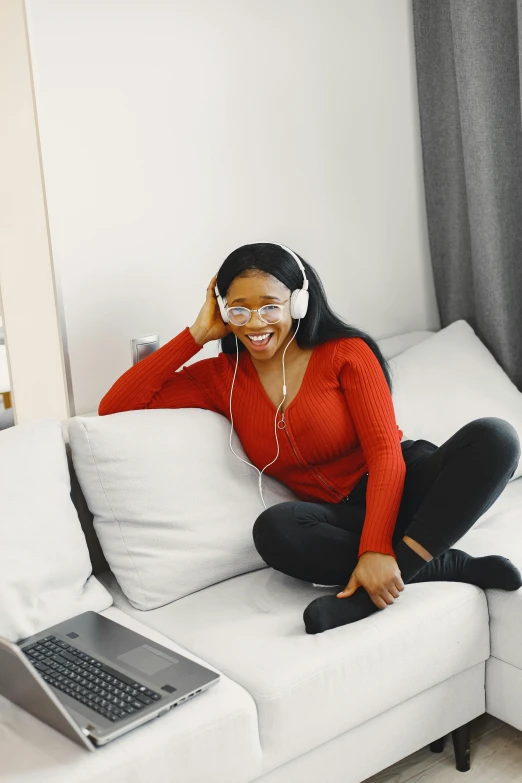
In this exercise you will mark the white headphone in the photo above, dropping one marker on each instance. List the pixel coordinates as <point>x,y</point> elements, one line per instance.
<point>298,309</point>
<point>298,299</point>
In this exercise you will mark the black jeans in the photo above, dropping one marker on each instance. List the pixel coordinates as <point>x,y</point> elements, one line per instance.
<point>446,490</point>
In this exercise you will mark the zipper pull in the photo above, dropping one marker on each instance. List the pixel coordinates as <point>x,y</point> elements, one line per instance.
<point>281,424</point>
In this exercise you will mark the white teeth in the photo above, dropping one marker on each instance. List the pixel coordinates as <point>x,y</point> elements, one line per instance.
<point>259,337</point>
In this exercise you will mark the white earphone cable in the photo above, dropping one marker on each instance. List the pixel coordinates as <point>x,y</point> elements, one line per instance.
<point>275,420</point>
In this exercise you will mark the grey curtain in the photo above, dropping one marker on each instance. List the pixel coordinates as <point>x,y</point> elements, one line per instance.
<point>469,67</point>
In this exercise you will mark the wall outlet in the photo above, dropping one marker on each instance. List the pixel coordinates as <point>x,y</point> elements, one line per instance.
<point>143,346</point>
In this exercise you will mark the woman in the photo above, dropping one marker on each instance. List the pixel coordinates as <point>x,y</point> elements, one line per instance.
<point>374,512</point>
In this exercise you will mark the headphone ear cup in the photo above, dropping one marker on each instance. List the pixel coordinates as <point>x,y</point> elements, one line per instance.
<point>299,303</point>
<point>222,308</point>
<point>222,305</point>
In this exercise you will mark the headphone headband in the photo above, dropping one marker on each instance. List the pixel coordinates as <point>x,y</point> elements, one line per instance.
<point>297,259</point>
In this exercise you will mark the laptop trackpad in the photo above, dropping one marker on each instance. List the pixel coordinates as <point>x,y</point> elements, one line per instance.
<point>146,659</point>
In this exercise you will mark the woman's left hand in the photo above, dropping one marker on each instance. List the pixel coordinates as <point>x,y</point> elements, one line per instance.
<point>380,576</point>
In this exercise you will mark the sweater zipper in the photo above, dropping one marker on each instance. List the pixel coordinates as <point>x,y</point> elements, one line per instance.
<point>335,492</point>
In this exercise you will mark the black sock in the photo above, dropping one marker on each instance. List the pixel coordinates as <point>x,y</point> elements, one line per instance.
<point>328,611</point>
<point>491,571</point>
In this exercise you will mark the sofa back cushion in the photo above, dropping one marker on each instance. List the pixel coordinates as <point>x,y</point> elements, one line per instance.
<point>173,507</point>
<point>98,559</point>
<point>449,380</point>
<point>45,571</point>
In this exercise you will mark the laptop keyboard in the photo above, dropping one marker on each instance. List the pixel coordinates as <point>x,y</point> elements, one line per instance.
<point>88,680</point>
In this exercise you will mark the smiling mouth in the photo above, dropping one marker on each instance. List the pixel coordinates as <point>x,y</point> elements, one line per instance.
<point>260,340</point>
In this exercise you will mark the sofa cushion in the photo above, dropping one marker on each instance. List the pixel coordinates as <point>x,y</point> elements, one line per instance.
<point>499,532</point>
<point>392,346</point>
<point>212,738</point>
<point>45,571</point>
<point>448,380</point>
<point>310,688</point>
<point>173,507</point>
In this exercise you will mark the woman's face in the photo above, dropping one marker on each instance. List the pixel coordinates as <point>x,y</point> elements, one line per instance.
<point>254,291</point>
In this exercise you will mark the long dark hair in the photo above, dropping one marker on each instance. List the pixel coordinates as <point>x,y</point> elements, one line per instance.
<point>320,324</point>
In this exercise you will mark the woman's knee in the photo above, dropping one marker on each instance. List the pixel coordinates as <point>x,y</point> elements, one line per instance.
<point>270,525</point>
<point>499,437</point>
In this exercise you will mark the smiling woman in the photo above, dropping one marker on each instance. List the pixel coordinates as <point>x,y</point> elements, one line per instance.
<point>269,314</point>
<point>262,329</point>
<point>269,335</point>
<point>340,448</point>
<point>266,272</point>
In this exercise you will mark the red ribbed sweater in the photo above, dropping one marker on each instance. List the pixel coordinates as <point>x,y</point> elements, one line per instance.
<point>340,425</point>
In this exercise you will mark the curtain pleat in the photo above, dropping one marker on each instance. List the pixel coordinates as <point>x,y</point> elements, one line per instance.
<point>469,67</point>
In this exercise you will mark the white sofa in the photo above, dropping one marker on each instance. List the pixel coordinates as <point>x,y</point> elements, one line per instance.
<point>292,707</point>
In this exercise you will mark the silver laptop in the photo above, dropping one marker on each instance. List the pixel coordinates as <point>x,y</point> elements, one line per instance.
<point>93,679</point>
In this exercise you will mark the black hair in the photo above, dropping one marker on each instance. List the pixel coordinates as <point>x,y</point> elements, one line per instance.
<point>320,324</point>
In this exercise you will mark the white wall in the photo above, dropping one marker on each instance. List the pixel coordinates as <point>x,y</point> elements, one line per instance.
<point>173,131</point>
<point>36,348</point>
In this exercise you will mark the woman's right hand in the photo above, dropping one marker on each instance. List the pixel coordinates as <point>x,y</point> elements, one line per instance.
<point>209,325</point>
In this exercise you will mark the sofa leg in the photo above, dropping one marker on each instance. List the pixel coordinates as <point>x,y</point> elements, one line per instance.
<point>461,745</point>
<point>438,745</point>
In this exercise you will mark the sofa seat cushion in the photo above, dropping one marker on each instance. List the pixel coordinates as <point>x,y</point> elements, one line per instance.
<point>499,532</point>
<point>311,688</point>
<point>213,737</point>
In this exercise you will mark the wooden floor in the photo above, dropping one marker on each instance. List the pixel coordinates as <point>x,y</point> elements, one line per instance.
<point>496,757</point>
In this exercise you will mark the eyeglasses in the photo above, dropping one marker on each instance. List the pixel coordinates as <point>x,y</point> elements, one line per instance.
<point>269,314</point>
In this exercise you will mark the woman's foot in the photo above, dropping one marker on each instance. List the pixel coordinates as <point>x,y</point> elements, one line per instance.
<point>328,611</point>
<point>491,571</point>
